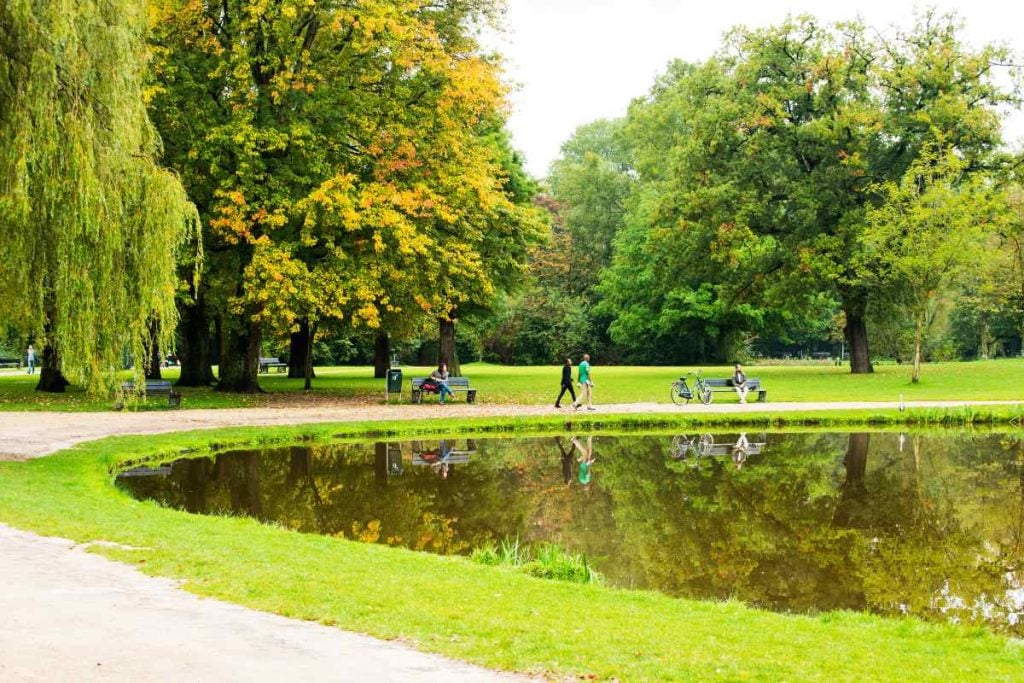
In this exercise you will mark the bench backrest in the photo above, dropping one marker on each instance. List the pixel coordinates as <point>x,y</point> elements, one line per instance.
<point>752,382</point>
<point>153,386</point>
<point>452,381</point>
<point>264,361</point>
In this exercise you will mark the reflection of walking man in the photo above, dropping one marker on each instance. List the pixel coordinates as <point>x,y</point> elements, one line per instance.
<point>566,461</point>
<point>586,458</point>
<point>30,359</point>
<point>586,384</point>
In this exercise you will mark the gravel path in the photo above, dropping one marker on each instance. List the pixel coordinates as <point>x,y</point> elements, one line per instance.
<point>71,615</point>
<point>26,435</point>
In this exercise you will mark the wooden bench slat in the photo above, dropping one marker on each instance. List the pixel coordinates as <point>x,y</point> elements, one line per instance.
<point>753,384</point>
<point>155,387</point>
<point>276,363</point>
<point>454,383</point>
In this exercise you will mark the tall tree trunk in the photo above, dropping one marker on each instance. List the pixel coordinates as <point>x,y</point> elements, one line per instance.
<point>852,499</point>
<point>51,379</point>
<point>983,347</point>
<point>856,331</point>
<point>239,357</point>
<point>380,464</point>
<point>300,345</point>
<point>153,363</point>
<point>307,365</point>
<point>381,351</point>
<point>915,377</point>
<point>446,352</point>
<point>856,460</point>
<point>194,350</point>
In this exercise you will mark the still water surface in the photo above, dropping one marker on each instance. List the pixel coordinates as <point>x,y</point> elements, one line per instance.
<point>882,522</point>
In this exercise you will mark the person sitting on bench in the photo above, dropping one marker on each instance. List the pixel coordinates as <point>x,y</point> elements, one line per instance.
<point>739,383</point>
<point>440,376</point>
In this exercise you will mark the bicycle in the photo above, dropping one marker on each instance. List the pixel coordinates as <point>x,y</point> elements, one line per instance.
<point>684,445</point>
<point>682,394</point>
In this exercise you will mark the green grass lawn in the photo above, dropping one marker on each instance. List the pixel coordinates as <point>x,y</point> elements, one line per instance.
<point>450,605</point>
<point>980,380</point>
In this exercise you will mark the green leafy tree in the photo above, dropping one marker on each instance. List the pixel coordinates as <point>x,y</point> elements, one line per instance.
<point>90,223</point>
<point>928,232</point>
<point>343,159</point>
<point>756,170</point>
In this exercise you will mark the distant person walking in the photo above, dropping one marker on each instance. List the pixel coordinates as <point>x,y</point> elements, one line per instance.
<point>739,383</point>
<point>586,384</point>
<point>30,359</point>
<point>566,383</point>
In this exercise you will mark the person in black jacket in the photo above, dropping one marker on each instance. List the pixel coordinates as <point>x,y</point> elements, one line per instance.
<point>566,383</point>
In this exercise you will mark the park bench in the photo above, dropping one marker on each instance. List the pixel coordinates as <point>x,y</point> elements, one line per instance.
<point>10,363</point>
<point>276,363</point>
<point>454,383</point>
<point>753,384</point>
<point>154,387</point>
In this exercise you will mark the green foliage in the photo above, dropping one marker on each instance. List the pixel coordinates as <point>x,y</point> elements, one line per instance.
<point>546,561</point>
<point>755,172</point>
<point>928,232</point>
<point>348,162</point>
<point>89,223</point>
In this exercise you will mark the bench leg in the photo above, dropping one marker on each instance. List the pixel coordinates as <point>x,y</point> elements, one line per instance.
<point>174,400</point>
<point>417,396</point>
<point>762,396</point>
<point>471,396</point>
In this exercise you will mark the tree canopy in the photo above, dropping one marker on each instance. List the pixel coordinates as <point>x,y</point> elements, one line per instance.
<point>344,160</point>
<point>90,223</point>
<point>756,170</point>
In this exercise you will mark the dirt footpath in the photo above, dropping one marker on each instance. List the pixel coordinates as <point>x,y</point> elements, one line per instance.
<point>25,435</point>
<point>69,615</point>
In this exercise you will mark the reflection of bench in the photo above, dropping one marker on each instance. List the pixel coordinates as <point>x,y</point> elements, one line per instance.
<point>162,471</point>
<point>276,363</point>
<point>728,448</point>
<point>452,458</point>
<point>444,454</point>
<point>454,383</point>
<point>154,387</point>
<point>753,384</point>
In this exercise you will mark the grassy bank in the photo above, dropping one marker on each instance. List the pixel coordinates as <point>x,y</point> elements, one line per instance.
<point>494,617</point>
<point>535,385</point>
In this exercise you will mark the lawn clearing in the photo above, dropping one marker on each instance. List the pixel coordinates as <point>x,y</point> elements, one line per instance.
<point>538,385</point>
<point>462,609</point>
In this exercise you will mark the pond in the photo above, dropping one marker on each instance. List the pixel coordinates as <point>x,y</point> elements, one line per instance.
<point>930,525</point>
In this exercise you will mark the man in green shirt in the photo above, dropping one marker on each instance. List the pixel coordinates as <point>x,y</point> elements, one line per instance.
<point>586,384</point>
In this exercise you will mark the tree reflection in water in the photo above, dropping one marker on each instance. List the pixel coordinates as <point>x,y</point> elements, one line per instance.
<point>800,522</point>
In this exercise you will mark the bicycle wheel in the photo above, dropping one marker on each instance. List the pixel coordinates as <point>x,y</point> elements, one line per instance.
<point>680,394</point>
<point>680,446</point>
<point>706,443</point>
<point>704,394</point>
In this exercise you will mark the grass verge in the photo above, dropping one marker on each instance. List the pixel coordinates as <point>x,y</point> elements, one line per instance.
<point>453,606</point>
<point>538,385</point>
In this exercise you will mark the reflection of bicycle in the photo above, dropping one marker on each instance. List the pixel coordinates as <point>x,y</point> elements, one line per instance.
<point>684,445</point>
<point>682,393</point>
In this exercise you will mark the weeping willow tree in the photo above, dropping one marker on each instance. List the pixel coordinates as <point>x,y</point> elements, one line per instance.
<point>90,225</point>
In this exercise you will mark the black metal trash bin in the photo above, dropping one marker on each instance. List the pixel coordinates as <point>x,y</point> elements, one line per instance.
<point>394,381</point>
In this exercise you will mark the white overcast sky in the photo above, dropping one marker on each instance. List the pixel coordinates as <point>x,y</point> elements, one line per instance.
<point>574,61</point>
